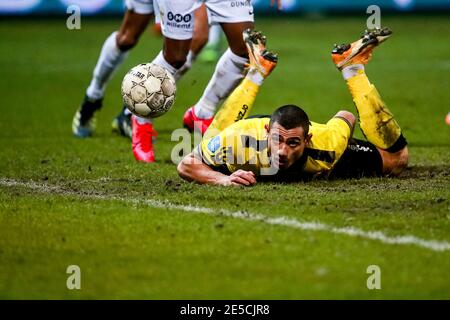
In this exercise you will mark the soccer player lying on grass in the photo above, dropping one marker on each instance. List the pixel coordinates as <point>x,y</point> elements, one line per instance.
<point>286,146</point>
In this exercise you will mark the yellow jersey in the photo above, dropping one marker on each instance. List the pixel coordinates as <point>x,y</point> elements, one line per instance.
<point>243,145</point>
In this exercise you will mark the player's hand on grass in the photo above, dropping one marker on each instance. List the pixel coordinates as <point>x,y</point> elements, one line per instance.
<point>241,178</point>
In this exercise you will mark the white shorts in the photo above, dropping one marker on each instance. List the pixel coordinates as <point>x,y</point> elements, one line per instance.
<point>140,6</point>
<point>177,16</point>
<point>229,11</point>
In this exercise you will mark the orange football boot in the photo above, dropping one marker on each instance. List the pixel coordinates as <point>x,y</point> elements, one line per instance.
<point>360,51</point>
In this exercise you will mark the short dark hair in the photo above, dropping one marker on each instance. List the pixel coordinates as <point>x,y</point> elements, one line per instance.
<point>289,117</point>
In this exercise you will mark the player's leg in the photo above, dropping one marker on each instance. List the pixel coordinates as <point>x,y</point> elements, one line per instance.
<point>229,72</point>
<point>240,102</point>
<point>177,28</point>
<point>376,121</point>
<point>230,67</point>
<point>113,53</point>
<point>122,121</point>
<point>172,58</point>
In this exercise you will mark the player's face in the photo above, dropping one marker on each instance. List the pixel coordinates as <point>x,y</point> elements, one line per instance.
<point>286,145</point>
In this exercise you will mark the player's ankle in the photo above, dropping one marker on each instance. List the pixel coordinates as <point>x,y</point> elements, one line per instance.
<point>141,120</point>
<point>255,76</point>
<point>204,109</point>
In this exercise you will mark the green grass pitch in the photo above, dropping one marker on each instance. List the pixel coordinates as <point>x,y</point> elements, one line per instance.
<point>132,228</point>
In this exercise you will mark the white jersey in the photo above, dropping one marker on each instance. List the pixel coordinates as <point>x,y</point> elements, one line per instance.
<point>177,16</point>
<point>229,11</point>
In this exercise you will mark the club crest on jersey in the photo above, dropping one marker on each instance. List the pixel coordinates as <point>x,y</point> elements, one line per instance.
<point>214,144</point>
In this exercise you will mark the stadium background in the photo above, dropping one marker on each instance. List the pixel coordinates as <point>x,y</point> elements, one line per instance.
<point>91,7</point>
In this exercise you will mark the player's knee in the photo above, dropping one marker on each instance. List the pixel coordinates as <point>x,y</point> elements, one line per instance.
<point>175,59</point>
<point>403,160</point>
<point>395,163</point>
<point>347,115</point>
<point>239,50</point>
<point>126,41</point>
<point>237,46</point>
<point>233,32</point>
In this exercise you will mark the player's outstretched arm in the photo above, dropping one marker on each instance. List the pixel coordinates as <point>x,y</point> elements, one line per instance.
<point>193,169</point>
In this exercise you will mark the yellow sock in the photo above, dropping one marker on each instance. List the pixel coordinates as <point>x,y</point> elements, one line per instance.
<point>376,121</point>
<point>237,106</point>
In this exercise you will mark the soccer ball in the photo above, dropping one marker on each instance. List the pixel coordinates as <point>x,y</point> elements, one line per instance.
<point>148,90</point>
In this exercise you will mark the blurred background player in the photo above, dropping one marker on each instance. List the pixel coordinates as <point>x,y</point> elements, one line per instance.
<point>212,51</point>
<point>115,51</point>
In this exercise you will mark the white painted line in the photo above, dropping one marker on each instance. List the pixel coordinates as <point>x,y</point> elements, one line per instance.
<point>434,245</point>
